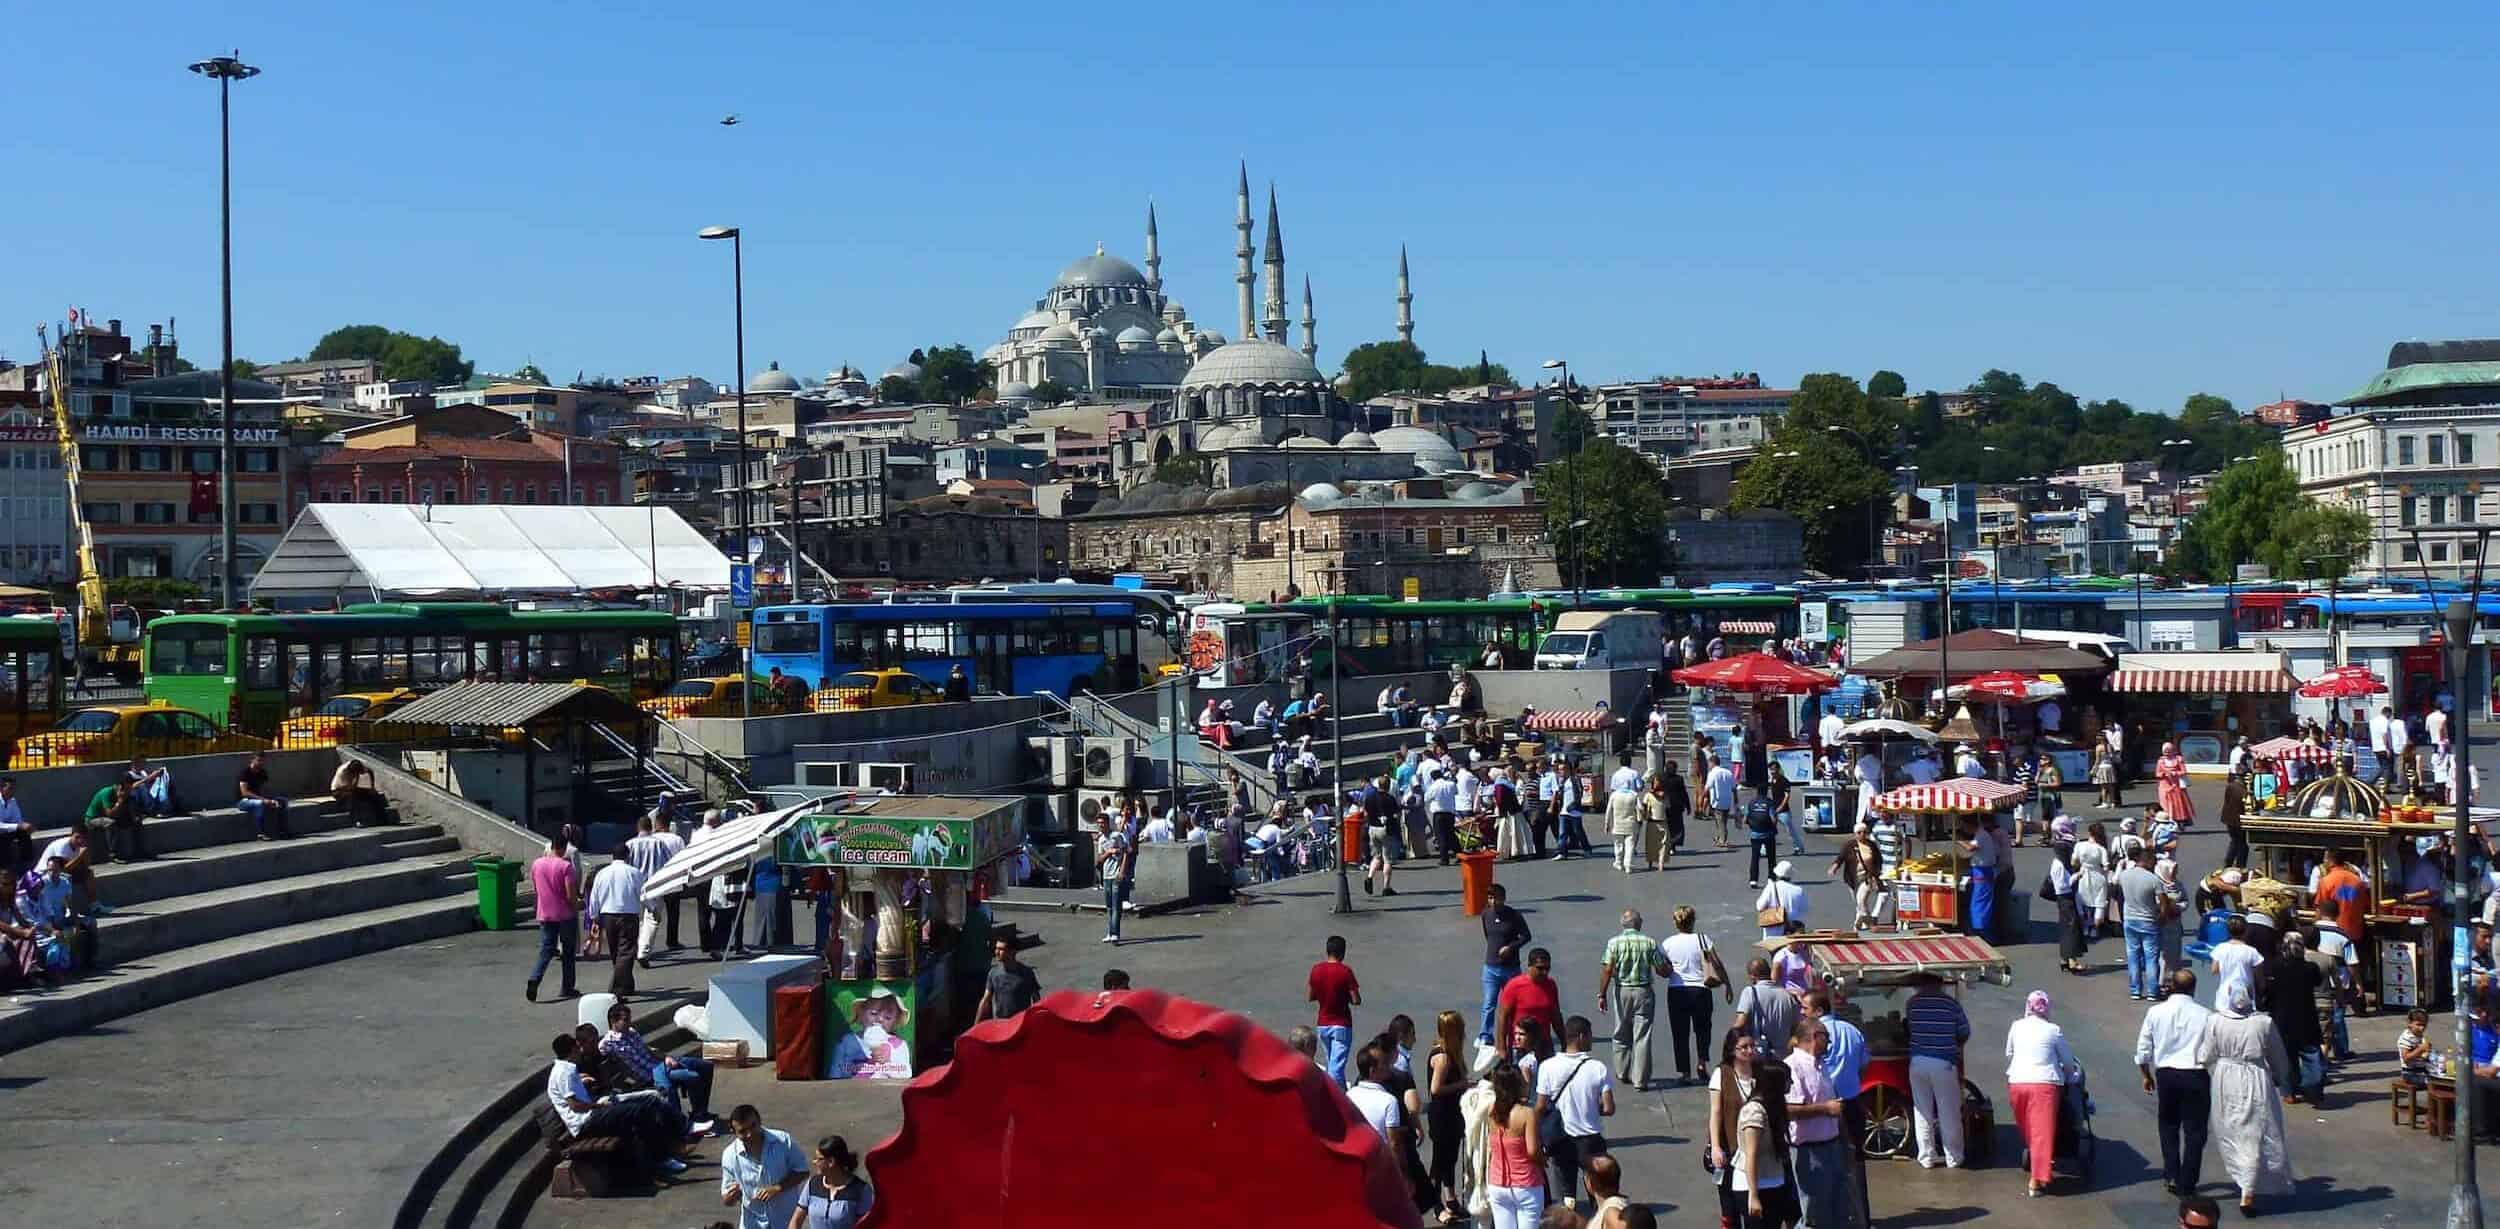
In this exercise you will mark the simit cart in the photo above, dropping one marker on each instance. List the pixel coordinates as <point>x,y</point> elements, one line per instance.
<point>1931,887</point>
<point>1871,977</point>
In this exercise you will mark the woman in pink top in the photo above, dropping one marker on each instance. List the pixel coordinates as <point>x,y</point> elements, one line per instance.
<point>2171,771</point>
<point>1514,1161</point>
<point>559,913</point>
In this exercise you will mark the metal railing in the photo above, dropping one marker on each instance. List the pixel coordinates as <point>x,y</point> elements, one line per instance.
<point>721,778</point>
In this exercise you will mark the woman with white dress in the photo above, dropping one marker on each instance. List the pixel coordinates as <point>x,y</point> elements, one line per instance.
<point>2092,880</point>
<point>2246,1058</point>
<point>1510,828</point>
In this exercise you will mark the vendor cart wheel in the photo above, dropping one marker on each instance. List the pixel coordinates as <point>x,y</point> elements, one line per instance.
<point>1888,1122</point>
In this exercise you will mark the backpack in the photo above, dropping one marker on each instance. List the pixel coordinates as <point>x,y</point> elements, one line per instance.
<point>1760,819</point>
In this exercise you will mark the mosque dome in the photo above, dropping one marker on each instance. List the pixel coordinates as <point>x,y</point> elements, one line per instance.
<point>1134,337</point>
<point>772,379</point>
<point>1356,439</point>
<point>1101,269</point>
<point>1168,337</point>
<point>1036,319</point>
<point>1061,332</point>
<point>1433,454</point>
<point>1476,490</point>
<point>1211,337</point>
<point>1252,361</point>
<point>1321,495</point>
<point>1015,390</point>
<point>1304,443</point>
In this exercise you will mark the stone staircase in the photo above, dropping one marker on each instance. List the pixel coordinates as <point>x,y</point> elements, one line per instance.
<point>215,908</point>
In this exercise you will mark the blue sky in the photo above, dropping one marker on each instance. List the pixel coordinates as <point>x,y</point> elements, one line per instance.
<point>2133,201</point>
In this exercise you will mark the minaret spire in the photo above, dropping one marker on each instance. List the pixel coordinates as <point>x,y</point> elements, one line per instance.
<point>1154,250</point>
<point>1242,253</point>
<point>1310,326</point>
<point>1275,273</point>
<point>1406,301</point>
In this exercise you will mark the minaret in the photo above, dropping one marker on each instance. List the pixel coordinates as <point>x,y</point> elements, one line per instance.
<point>1310,326</point>
<point>1276,331</point>
<point>1242,253</point>
<point>1154,251</point>
<point>1406,301</point>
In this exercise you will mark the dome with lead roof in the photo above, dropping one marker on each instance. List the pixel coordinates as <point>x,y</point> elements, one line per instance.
<point>1252,362</point>
<point>1100,269</point>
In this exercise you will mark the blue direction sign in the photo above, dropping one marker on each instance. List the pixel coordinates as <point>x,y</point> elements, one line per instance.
<point>742,585</point>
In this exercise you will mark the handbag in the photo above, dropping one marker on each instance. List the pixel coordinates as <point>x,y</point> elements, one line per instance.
<point>1771,918</point>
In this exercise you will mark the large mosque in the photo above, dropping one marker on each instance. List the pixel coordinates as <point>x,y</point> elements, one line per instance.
<point>1108,330</point>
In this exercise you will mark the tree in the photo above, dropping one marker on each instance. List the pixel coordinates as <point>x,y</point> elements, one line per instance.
<point>1185,469</point>
<point>530,373</point>
<point>2255,513</point>
<point>1380,367</point>
<point>1887,384</point>
<point>1822,478</point>
<point>245,369</point>
<point>1621,494</point>
<point>403,356</point>
<point>1052,392</point>
<point>947,374</point>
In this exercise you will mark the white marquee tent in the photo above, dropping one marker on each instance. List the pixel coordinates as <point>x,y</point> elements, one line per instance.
<point>383,552</point>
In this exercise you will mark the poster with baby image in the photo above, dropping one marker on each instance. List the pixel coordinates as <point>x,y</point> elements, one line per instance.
<point>876,1024</point>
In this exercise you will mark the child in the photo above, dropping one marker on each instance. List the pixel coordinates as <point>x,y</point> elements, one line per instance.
<point>2413,1049</point>
<point>2263,786</point>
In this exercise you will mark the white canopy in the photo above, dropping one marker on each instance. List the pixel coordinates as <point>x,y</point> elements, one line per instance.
<point>377,552</point>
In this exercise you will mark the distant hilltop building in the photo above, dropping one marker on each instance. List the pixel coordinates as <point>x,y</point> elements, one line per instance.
<point>1107,329</point>
<point>2290,413</point>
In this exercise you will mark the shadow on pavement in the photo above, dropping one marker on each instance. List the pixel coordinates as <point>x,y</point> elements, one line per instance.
<point>1934,1216</point>
<point>2323,1195</point>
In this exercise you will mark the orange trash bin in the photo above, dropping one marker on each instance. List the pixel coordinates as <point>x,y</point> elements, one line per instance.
<point>1475,880</point>
<point>1350,838</point>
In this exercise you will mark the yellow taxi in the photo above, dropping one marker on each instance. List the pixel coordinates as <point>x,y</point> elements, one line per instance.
<point>888,688</point>
<point>118,731</point>
<point>722,696</point>
<point>341,718</point>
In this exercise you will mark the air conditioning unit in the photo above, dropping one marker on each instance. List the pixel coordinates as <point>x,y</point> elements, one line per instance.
<point>1050,813</point>
<point>825,774</point>
<point>1093,804</point>
<point>895,778</point>
<point>1057,761</point>
<point>1108,761</point>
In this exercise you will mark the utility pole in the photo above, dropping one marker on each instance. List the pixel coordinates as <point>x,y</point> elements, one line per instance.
<point>2465,1199</point>
<point>226,70</point>
<point>1336,766</point>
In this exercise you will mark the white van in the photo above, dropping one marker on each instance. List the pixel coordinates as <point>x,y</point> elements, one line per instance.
<point>1604,640</point>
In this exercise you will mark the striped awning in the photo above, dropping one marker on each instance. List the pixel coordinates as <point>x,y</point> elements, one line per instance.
<point>1571,721</point>
<point>2291,750</point>
<point>1960,795</point>
<point>2263,681</point>
<point>1748,627</point>
<point>1945,955</point>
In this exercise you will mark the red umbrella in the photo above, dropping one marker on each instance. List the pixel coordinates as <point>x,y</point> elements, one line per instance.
<point>1758,674</point>
<point>2343,682</point>
<point>2008,686</point>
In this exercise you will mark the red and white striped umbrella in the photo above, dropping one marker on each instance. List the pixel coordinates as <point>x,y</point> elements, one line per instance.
<point>1959,795</point>
<point>2290,751</point>
<point>2006,687</point>
<point>2343,682</point>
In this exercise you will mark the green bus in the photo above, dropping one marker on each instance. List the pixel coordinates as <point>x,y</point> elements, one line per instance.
<point>34,651</point>
<point>256,670</point>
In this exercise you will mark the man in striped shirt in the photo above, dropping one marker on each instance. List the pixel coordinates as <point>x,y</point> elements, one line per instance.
<point>1624,987</point>
<point>2027,775</point>
<point>1938,1028</point>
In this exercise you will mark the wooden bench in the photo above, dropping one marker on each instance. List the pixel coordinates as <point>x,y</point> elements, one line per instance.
<point>2404,1104</point>
<point>2443,1115</point>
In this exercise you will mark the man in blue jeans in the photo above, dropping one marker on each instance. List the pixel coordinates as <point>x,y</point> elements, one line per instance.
<point>1115,860</point>
<point>686,1081</point>
<point>1505,936</point>
<point>268,811</point>
<point>2141,896</point>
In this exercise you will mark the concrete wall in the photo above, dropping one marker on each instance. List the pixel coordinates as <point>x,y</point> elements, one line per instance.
<point>480,831</point>
<point>1507,691</point>
<point>983,760</point>
<point>53,796</point>
<point>765,744</point>
<point>1360,696</point>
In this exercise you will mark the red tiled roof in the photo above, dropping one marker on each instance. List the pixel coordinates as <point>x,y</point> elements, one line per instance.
<point>442,450</point>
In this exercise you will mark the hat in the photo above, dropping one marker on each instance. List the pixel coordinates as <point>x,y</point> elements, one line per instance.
<point>1782,870</point>
<point>886,993</point>
<point>2127,824</point>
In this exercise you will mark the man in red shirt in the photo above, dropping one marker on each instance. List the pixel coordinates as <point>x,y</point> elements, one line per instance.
<point>1532,995</point>
<point>1333,987</point>
<point>2342,893</point>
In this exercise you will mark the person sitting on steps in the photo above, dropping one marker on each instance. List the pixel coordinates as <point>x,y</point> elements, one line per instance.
<point>268,811</point>
<point>352,786</point>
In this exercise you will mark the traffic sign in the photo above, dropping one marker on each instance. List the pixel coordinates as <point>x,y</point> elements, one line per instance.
<point>746,630</point>
<point>1412,590</point>
<point>742,585</point>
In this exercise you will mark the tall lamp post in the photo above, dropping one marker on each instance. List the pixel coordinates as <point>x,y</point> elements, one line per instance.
<point>225,70</point>
<point>1571,490</point>
<point>738,318</point>
<point>2465,1202</point>
<point>1336,767</point>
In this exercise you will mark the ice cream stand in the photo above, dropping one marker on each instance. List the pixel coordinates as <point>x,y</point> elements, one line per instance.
<point>1931,887</point>
<point>906,959</point>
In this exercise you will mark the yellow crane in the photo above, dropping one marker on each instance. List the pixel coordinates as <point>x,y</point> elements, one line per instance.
<point>108,634</point>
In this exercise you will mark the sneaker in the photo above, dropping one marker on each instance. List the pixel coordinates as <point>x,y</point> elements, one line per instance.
<point>672,1165</point>
<point>703,1126</point>
<point>1755,884</point>
<point>1111,938</point>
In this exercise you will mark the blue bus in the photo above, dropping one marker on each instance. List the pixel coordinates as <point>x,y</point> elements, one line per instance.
<point>1008,647</point>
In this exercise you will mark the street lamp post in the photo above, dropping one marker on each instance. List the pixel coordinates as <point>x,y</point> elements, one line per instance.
<point>1336,766</point>
<point>738,318</point>
<point>2465,1202</point>
<point>225,70</point>
<point>1571,490</point>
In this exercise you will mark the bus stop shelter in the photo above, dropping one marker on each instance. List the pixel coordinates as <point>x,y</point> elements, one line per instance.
<point>335,554</point>
<point>531,721</point>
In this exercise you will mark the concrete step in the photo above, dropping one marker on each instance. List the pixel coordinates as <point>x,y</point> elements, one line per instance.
<point>223,826</point>
<point>120,990</point>
<point>428,847</point>
<point>125,884</point>
<point>246,909</point>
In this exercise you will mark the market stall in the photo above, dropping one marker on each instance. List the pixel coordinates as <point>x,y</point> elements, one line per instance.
<point>1579,735</point>
<point>913,942</point>
<point>1931,887</point>
<point>1734,694</point>
<point>1870,978</point>
<point>1831,804</point>
<point>2205,700</point>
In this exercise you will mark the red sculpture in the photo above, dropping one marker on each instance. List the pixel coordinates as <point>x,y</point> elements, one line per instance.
<point>1131,1108</point>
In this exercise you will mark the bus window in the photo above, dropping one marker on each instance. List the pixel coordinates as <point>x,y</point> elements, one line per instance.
<point>188,651</point>
<point>1088,638</point>
<point>263,664</point>
<point>604,653</point>
<point>364,663</point>
<point>395,661</point>
<point>554,657</point>
<point>796,637</point>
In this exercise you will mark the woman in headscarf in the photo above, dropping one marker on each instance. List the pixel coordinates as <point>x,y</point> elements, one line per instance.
<point>2173,928</point>
<point>2171,772</point>
<point>2092,880</point>
<point>2037,1064</point>
<point>1510,828</point>
<point>2244,1055</point>
<point>2291,984</point>
<point>2061,887</point>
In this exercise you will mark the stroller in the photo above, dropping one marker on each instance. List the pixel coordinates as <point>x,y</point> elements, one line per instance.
<point>2076,1146</point>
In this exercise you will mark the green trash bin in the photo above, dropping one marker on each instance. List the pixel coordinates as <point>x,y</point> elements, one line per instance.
<point>498,886</point>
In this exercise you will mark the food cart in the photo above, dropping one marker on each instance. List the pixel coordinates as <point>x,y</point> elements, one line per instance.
<point>1932,887</point>
<point>2401,957</point>
<point>1870,977</point>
